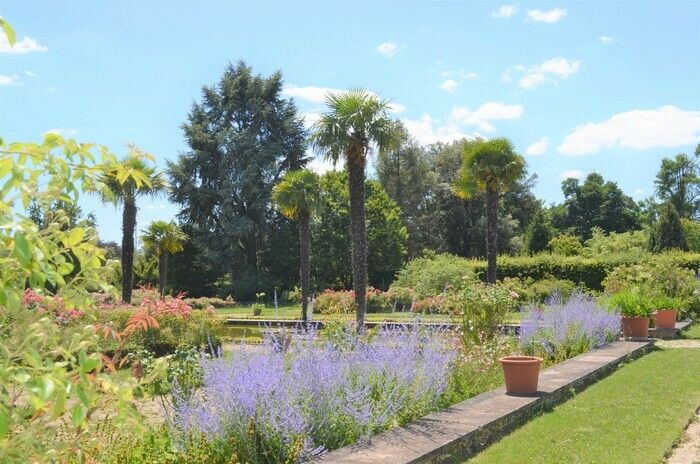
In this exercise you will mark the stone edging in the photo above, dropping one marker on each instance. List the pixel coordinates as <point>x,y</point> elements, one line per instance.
<point>470,426</point>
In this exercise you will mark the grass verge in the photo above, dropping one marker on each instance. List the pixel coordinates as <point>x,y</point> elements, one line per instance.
<point>693,332</point>
<point>633,416</point>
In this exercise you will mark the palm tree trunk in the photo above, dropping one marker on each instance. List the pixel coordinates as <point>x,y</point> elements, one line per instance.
<point>304,261</point>
<point>128,228</point>
<point>358,235</point>
<point>491,234</point>
<point>162,272</point>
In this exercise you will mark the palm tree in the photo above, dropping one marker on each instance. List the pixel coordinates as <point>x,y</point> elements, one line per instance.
<point>131,177</point>
<point>357,120</point>
<point>297,196</point>
<point>492,167</point>
<point>164,238</point>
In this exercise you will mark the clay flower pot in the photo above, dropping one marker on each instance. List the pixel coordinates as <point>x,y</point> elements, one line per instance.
<point>666,318</point>
<point>522,374</point>
<point>635,327</point>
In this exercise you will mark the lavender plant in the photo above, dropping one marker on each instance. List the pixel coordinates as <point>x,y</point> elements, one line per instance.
<point>563,329</point>
<point>288,405</point>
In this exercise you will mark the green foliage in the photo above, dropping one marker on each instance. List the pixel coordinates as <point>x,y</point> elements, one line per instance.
<point>566,245</point>
<point>668,231</point>
<point>539,291</point>
<point>587,271</point>
<point>242,137</point>
<point>600,243</point>
<point>52,375</point>
<point>434,274</point>
<point>663,276</point>
<point>297,193</point>
<point>163,237</point>
<point>631,303</point>
<point>489,165</point>
<point>691,231</point>
<point>330,242</point>
<point>595,203</point>
<point>666,302</point>
<point>480,309</point>
<point>678,182</point>
<point>538,234</point>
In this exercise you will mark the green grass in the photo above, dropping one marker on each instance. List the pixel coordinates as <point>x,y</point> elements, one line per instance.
<point>286,312</point>
<point>692,332</point>
<point>633,416</point>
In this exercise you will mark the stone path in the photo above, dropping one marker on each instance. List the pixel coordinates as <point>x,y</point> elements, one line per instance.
<point>678,343</point>
<point>688,450</point>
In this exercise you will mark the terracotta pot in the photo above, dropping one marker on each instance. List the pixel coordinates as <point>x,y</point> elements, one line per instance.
<point>635,327</point>
<point>666,318</point>
<point>522,374</point>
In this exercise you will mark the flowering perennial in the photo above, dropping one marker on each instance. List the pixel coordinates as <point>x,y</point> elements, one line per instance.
<point>565,329</point>
<point>299,397</point>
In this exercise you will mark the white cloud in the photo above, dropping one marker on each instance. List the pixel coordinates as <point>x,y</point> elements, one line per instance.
<point>482,116</point>
<point>388,49</point>
<point>471,75</point>
<point>505,11</point>
<point>571,174</point>
<point>9,79</point>
<point>538,148</point>
<point>51,88</point>
<point>639,192</point>
<point>154,206</point>
<point>310,119</point>
<point>549,17</point>
<point>315,94</point>
<point>450,85</point>
<point>321,166</point>
<point>26,45</point>
<point>606,39</point>
<point>427,130</point>
<point>666,127</point>
<point>31,74</point>
<point>551,70</point>
<point>63,132</point>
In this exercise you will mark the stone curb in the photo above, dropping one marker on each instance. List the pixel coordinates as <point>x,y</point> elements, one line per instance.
<point>468,427</point>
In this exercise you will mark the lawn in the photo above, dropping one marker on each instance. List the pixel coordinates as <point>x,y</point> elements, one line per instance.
<point>293,311</point>
<point>692,332</point>
<point>635,416</point>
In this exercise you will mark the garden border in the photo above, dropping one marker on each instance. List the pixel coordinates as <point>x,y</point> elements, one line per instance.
<point>468,427</point>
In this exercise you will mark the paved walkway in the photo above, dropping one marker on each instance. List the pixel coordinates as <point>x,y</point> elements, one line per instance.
<point>688,451</point>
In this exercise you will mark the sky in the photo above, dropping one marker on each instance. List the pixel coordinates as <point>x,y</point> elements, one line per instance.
<point>611,87</point>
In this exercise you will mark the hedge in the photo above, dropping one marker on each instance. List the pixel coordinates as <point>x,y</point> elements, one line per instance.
<point>581,270</point>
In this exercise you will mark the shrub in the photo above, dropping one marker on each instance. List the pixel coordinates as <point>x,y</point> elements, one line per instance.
<point>274,406</point>
<point>401,298</point>
<point>660,277</point>
<point>434,274</point>
<point>566,328</point>
<point>257,308</point>
<point>631,303</point>
<point>335,302</point>
<point>480,309</point>
<point>539,291</point>
<point>566,245</point>
<point>176,326</point>
<point>378,301</point>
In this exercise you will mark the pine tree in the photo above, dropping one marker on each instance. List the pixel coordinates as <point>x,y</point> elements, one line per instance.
<point>538,234</point>
<point>668,232</point>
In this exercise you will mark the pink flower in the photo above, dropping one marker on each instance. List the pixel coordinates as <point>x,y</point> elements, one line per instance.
<point>514,295</point>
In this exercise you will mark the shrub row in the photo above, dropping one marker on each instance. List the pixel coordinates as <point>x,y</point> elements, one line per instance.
<point>587,271</point>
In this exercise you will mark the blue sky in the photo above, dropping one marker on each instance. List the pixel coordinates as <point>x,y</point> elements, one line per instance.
<point>611,87</point>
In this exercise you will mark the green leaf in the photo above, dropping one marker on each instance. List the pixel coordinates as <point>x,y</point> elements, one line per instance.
<point>4,423</point>
<point>77,415</point>
<point>21,250</point>
<point>9,32</point>
<point>74,237</point>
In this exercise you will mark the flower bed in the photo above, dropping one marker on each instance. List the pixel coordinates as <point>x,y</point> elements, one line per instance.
<point>562,329</point>
<point>301,395</point>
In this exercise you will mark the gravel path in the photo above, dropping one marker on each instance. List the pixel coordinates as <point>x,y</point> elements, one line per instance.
<point>688,450</point>
<point>678,343</point>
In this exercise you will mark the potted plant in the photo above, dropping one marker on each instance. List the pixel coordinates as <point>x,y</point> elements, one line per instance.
<point>522,374</point>
<point>635,309</point>
<point>666,311</point>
